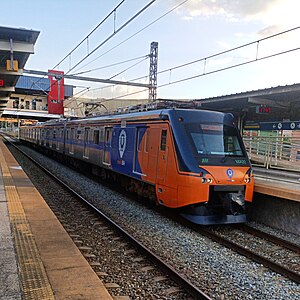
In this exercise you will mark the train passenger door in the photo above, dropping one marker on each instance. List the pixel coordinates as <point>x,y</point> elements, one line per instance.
<point>139,151</point>
<point>72,140</point>
<point>85,143</point>
<point>107,145</point>
<point>162,157</point>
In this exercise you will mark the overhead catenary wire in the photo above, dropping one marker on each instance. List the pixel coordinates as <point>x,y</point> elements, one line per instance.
<point>86,38</point>
<point>115,32</point>
<point>110,65</point>
<point>229,50</point>
<point>128,68</point>
<point>139,31</point>
<point>136,33</point>
<point>107,39</point>
<point>211,72</point>
<point>112,35</point>
<point>82,41</point>
<point>156,20</point>
<point>218,54</point>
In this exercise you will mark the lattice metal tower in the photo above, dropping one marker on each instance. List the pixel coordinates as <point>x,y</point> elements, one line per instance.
<point>153,72</point>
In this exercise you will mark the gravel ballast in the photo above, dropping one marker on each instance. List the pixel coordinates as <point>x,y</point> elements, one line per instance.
<point>220,272</point>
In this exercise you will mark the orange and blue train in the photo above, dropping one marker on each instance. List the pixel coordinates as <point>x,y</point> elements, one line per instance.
<point>190,160</point>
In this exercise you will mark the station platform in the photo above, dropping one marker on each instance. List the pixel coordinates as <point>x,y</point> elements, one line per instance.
<point>38,259</point>
<point>281,184</point>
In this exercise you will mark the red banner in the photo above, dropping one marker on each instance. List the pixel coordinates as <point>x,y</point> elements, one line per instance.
<point>57,93</point>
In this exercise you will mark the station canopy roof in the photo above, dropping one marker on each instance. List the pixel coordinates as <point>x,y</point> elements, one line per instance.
<point>16,44</point>
<point>13,113</point>
<point>283,101</point>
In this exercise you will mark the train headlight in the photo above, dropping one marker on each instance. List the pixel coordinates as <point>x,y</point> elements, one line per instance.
<point>247,179</point>
<point>203,180</point>
<point>209,180</point>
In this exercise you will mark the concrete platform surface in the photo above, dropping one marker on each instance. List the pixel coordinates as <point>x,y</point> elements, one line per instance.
<point>38,259</point>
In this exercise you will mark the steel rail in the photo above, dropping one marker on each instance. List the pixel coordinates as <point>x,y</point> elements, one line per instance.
<point>172,273</point>
<point>294,276</point>
<point>271,238</point>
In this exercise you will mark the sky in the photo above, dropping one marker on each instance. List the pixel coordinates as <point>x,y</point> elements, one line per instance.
<point>196,30</point>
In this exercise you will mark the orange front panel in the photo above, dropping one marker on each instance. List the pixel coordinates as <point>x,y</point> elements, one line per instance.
<point>221,175</point>
<point>191,190</point>
<point>249,191</point>
<point>236,176</point>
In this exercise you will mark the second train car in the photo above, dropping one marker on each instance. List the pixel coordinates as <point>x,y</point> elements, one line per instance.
<point>191,160</point>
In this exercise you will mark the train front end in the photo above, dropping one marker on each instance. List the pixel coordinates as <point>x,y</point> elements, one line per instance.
<point>220,181</point>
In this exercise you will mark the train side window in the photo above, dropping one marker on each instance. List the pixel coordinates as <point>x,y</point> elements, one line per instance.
<point>54,134</point>
<point>96,138</point>
<point>102,135</point>
<point>72,133</point>
<point>107,137</point>
<point>78,134</point>
<point>163,141</point>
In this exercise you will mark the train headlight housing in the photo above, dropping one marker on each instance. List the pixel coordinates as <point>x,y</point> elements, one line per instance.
<point>248,176</point>
<point>206,180</point>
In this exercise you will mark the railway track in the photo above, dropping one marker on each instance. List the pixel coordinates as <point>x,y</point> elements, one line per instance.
<point>268,237</point>
<point>271,264</point>
<point>168,270</point>
<point>211,286</point>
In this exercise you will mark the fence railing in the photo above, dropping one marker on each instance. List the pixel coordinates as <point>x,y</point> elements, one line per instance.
<point>274,152</point>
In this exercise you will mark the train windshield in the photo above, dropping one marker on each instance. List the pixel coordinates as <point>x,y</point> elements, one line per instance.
<point>215,139</point>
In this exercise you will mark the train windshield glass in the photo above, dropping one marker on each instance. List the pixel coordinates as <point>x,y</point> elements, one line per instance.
<point>215,139</point>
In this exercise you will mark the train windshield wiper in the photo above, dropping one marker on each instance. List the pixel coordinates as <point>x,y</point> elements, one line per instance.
<point>223,159</point>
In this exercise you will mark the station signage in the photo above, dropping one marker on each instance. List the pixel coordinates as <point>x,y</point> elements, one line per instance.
<point>291,125</point>
<point>262,109</point>
<point>280,125</point>
<point>2,82</point>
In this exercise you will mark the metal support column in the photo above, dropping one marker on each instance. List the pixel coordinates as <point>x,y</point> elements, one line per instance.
<point>153,72</point>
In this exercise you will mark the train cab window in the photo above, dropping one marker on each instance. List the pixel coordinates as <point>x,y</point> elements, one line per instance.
<point>215,139</point>
<point>96,138</point>
<point>163,140</point>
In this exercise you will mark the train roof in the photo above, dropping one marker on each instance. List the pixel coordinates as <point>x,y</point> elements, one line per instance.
<point>161,114</point>
<point>192,115</point>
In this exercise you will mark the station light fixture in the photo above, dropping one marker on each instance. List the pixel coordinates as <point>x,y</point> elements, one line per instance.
<point>12,65</point>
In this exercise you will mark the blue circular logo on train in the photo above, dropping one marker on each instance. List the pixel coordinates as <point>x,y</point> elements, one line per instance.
<point>229,173</point>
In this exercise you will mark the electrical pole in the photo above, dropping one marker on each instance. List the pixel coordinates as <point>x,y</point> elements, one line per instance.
<point>153,72</point>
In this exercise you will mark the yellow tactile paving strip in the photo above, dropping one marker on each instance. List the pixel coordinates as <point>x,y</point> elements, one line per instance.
<point>68,272</point>
<point>33,277</point>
